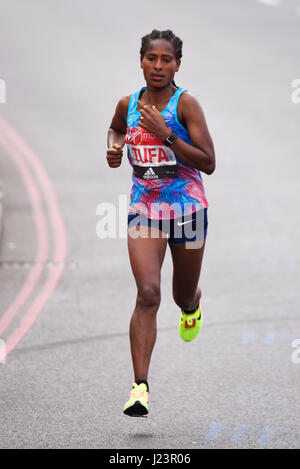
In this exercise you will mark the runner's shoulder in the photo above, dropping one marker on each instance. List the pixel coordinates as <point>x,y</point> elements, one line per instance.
<point>188,105</point>
<point>188,101</point>
<point>122,106</point>
<point>119,120</point>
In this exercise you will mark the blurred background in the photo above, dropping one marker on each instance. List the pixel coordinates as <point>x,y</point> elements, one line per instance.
<point>66,296</point>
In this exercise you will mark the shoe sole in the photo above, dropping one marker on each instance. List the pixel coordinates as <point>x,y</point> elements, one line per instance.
<point>136,410</point>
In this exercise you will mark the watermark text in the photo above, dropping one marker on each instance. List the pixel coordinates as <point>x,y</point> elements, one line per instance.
<point>2,352</point>
<point>183,222</point>
<point>2,91</point>
<point>296,353</point>
<point>295,96</point>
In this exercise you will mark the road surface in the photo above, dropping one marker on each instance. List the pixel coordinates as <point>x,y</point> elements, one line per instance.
<point>67,295</point>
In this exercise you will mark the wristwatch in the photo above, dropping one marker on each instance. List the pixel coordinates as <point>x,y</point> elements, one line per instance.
<point>171,139</point>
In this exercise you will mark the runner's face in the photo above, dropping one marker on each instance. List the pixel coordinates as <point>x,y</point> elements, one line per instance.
<point>159,63</point>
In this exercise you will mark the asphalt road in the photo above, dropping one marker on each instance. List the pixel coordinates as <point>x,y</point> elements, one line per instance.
<point>68,372</point>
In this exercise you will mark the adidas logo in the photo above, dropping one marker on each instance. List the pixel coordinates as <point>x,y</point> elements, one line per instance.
<point>150,174</point>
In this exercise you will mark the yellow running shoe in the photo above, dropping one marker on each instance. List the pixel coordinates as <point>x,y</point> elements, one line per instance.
<point>190,325</point>
<point>137,406</point>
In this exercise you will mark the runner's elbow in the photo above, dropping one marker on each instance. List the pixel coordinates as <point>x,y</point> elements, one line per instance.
<point>210,164</point>
<point>211,169</point>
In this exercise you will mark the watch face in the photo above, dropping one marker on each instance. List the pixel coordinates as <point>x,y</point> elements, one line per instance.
<point>171,138</point>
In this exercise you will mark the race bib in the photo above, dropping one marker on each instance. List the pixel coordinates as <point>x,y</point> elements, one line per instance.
<point>146,149</point>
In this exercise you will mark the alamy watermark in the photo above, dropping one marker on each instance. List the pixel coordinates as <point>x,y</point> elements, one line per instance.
<point>175,221</point>
<point>296,353</point>
<point>295,96</point>
<point>2,91</point>
<point>2,352</point>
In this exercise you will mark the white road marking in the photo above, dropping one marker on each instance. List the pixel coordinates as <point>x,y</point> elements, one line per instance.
<point>266,435</point>
<point>239,433</point>
<point>276,3</point>
<point>214,431</point>
<point>270,3</point>
<point>248,337</point>
<point>269,340</point>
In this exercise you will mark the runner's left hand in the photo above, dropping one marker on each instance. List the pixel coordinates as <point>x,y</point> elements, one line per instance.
<point>153,121</point>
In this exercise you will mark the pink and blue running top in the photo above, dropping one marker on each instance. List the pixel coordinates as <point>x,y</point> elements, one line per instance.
<point>169,197</point>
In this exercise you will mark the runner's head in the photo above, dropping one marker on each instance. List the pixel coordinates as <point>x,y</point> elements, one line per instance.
<point>160,54</point>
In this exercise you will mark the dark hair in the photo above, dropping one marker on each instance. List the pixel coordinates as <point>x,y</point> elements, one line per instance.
<point>169,36</point>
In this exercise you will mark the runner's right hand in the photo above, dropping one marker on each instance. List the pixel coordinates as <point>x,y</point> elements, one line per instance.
<point>114,155</point>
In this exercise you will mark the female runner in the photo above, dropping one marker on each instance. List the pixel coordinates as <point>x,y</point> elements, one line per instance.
<point>168,146</point>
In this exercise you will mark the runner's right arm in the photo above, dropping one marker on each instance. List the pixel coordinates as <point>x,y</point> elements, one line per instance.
<point>116,134</point>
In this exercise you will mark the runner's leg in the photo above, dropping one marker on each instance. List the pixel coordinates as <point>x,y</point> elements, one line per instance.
<point>186,273</point>
<point>146,257</point>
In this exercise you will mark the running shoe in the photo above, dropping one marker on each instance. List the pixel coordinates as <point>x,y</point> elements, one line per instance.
<point>137,406</point>
<point>190,324</point>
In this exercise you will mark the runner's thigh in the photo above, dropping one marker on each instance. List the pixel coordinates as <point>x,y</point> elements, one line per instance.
<point>146,256</point>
